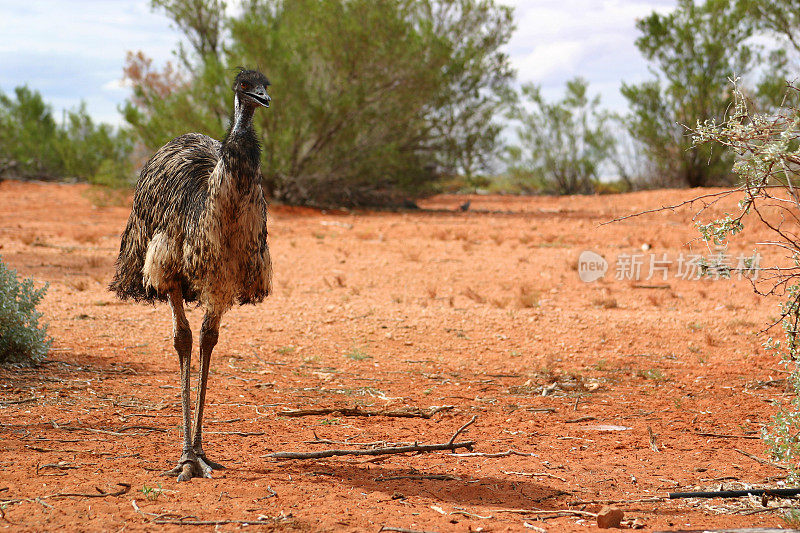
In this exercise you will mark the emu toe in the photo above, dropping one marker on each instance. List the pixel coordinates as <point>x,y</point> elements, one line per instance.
<point>191,465</point>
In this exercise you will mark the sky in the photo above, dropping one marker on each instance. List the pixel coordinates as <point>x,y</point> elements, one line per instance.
<point>74,50</point>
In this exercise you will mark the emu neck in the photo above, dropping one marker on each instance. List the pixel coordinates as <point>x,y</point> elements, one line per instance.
<point>242,117</point>
<point>241,152</point>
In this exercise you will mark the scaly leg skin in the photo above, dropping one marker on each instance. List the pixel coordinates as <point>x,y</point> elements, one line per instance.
<point>189,465</point>
<point>209,333</point>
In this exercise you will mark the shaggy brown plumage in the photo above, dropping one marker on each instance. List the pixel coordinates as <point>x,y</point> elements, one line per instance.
<point>198,232</point>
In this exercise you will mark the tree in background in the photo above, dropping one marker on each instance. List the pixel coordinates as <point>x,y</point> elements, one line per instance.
<point>372,99</point>
<point>562,144</point>
<point>477,78</point>
<point>694,50</point>
<point>32,144</point>
<point>780,18</point>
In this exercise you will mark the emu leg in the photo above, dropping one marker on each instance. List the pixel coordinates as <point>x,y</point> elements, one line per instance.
<point>188,465</point>
<point>209,333</point>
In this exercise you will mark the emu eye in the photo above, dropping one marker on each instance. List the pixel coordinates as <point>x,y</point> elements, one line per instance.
<point>243,86</point>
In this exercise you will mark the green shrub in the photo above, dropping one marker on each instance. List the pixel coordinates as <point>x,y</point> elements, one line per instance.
<point>766,148</point>
<point>33,144</point>
<point>22,338</point>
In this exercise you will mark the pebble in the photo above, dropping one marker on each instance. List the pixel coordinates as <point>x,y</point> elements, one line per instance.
<point>609,517</point>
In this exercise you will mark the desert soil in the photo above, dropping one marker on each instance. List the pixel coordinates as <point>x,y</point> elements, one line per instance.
<point>618,390</point>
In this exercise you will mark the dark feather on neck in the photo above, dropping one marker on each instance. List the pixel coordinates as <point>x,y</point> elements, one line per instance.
<point>241,151</point>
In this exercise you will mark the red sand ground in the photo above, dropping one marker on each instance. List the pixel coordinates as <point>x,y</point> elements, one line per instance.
<point>482,311</point>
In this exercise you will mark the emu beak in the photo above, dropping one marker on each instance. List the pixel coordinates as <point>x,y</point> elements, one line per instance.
<point>260,95</point>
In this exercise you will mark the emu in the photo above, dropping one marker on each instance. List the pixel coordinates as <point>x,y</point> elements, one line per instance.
<point>198,233</point>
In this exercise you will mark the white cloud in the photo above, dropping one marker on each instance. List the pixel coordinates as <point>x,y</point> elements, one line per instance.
<point>117,85</point>
<point>548,59</point>
<point>557,40</point>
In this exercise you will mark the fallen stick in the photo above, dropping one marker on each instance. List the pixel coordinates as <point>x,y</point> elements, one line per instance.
<point>17,402</point>
<point>179,522</point>
<point>418,448</point>
<point>760,460</point>
<point>655,499</point>
<point>536,474</point>
<point>497,454</point>
<point>542,512</point>
<point>357,411</point>
<point>580,419</point>
<point>100,493</point>
<point>726,436</point>
<point>735,493</point>
<point>401,530</point>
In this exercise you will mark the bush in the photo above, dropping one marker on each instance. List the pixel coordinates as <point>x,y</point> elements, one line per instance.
<point>32,144</point>
<point>562,144</point>
<point>22,338</point>
<point>373,100</point>
<point>768,167</point>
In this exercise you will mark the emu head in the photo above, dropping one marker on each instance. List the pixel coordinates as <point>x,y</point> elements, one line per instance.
<point>251,88</point>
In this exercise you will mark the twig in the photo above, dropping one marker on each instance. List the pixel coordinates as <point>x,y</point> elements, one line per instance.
<point>541,512</point>
<point>126,487</point>
<point>580,419</point>
<point>471,515</point>
<point>536,474</point>
<point>146,428</point>
<point>418,448</point>
<point>100,494</point>
<point>735,493</point>
<point>179,522</point>
<point>655,499</point>
<point>767,509</point>
<point>540,410</point>
<point>357,411</point>
<point>401,530</point>
<point>726,436</point>
<point>16,402</point>
<point>48,450</point>
<point>497,454</point>
<point>239,433</point>
<point>674,207</point>
<point>760,460</point>
<point>462,428</point>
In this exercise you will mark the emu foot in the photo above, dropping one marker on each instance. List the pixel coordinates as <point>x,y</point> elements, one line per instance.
<point>193,465</point>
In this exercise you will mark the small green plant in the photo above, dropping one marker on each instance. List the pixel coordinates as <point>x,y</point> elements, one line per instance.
<point>653,374</point>
<point>286,350</point>
<point>152,493</point>
<point>357,353</point>
<point>22,338</point>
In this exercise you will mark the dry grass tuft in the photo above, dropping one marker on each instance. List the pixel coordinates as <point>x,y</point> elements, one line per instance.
<point>605,303</point>
<point>500,303</point>
<point>710,339</point>
<point>472,295</point>
<point>79,285</point>
<point>411,255</point>
<point>528,297</point>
